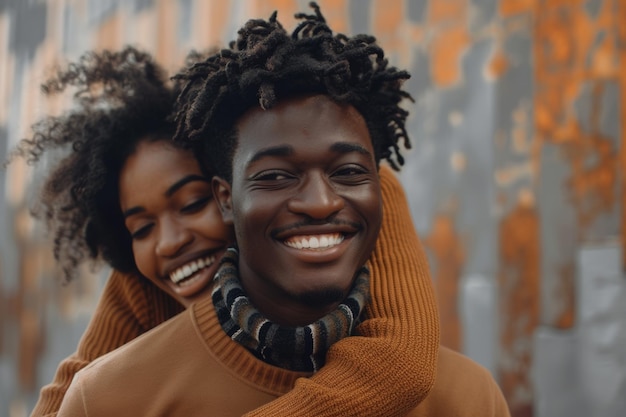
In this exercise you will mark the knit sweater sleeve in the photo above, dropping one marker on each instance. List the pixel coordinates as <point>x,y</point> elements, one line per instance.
<point>390,368</point>
<point>128,307</point>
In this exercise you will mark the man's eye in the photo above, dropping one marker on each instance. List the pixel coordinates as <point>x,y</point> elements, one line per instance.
<point>271,176</point>
<point>349,171</point>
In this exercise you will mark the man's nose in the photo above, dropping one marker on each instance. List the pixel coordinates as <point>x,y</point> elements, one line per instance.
<point>316,198</point>
<point>172,237</point>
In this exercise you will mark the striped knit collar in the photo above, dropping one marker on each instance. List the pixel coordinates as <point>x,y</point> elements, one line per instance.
<point>295,348</point>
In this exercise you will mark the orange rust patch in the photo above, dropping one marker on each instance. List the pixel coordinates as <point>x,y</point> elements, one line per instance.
<point>591,185</point>
<point>449,257</point>
<point>498,64</point>
<point>508,8</point>
<point>336,14</point>
<point>109,34</point>
<point>166,18</point>
<point>566,296</point>
<point>388,17</point>
<point>444,11</point>
<point>446,52</point>
<point>389,27</point>
<point>621,30</point>
<point>220,11</point>
<point>566,60</point>
<point>286,9</point>
<point>209,23</point>
<point>447,20</point>
<point>518,277</point>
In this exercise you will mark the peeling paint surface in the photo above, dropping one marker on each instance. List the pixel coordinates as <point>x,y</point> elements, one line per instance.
<point>447,264</point>
<point>517,164</point>
<point>518,281</point>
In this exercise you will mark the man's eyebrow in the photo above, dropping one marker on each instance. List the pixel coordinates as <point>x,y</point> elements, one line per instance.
<point>168,193</point>
<point>347,147</point>
<point>281,150</point>
<point>286,150</point>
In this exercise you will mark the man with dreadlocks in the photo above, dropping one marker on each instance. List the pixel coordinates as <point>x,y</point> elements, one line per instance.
<point>305,120</point>
<point>122,103</point>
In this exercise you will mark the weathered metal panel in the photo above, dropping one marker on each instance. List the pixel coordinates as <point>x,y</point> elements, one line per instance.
<point>518,159</point>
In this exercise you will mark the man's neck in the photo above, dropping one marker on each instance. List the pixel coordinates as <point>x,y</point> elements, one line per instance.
<point>286,312</point>
<point>296,348</point>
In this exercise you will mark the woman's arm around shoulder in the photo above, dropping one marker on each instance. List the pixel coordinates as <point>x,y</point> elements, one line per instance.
<point>128,307</point>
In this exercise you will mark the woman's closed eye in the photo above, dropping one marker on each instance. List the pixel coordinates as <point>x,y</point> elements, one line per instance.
<point>196,205</point>
<point>141,232</point>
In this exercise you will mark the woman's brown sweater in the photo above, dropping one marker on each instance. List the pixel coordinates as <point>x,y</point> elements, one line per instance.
<point>401,329</point>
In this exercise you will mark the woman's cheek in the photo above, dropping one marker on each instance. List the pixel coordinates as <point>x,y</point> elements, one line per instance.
<point>142,260</point>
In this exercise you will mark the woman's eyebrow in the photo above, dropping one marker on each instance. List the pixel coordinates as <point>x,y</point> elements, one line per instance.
<point>168,193</point>
<point>132,211</point>
<point>185,180</point>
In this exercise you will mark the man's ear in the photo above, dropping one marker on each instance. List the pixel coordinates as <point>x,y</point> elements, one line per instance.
<point>223,197</point>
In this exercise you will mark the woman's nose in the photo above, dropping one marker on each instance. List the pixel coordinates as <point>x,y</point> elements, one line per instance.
<point>172,238</point>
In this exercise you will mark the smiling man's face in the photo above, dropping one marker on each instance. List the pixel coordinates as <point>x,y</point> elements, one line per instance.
<point>306,205</point>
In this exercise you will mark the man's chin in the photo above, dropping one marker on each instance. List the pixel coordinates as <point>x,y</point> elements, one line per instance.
<point>321,298</point>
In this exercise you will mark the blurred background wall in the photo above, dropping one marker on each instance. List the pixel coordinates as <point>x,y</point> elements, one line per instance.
<point>515,178</point>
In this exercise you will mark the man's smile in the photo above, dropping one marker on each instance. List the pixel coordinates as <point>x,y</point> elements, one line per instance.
<point>315,242</point>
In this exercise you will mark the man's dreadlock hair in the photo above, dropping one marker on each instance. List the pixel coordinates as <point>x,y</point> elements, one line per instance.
<point>120,99</point>
<point>266,64</point>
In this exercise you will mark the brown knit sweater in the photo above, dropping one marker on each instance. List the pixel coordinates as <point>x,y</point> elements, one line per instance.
<point>188,366</point>
<point>402,332</point>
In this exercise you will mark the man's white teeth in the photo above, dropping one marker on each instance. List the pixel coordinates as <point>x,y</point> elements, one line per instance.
<point>315,242</point>
<point>191,268</point>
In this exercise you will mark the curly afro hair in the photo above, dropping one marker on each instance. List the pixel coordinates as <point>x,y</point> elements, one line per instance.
<point>120,99</point>
<point>266,64</point>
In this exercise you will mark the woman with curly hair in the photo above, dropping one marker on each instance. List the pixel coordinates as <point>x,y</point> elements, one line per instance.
<point>121,196</point>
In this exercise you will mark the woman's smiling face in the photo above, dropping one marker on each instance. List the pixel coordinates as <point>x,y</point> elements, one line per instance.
<point>177,231</point>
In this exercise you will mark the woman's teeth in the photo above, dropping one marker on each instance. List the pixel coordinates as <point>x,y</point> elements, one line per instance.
<point>191,268</point>
<point>315,242</point>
